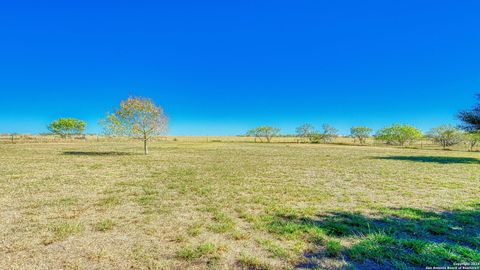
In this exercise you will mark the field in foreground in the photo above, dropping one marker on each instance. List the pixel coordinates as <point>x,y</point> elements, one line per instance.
<point>198,205</point>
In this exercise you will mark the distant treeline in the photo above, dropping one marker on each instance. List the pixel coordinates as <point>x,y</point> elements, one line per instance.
<point>140,117</point>
<point>396,134</point>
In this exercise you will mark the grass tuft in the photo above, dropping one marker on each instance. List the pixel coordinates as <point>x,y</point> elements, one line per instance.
<point>222,223</point>
<point>110,201</point>
<point>333,248</point>
<point>63,230</point>
<point>202,250</point>
<point>247,262</point>
<point>104,225</point>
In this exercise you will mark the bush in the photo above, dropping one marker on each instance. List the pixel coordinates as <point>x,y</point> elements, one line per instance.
<point>315,138</point>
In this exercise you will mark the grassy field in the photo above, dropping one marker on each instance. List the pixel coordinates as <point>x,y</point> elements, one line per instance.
<point>233,205</point>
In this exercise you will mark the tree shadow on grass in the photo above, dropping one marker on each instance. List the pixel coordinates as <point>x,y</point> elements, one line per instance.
<point>391,238</point>
<point>434,159</point>
<point>96,153</point>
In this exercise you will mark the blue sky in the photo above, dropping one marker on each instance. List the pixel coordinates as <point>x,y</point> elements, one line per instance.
<point>222,67</point>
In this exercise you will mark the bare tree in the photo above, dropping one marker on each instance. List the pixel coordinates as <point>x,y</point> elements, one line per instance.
<point>305,131</point>
<point>328,133</point>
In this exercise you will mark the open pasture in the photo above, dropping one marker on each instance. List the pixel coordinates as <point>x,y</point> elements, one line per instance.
<point>234,205</point>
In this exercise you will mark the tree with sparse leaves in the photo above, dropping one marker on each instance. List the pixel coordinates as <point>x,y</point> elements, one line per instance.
<point>305,131</point>
<point>446,135</point>
<point>137,117</point>
<point>360,133</point>
<point>325,136</point>
<point>472,139</point>
<point>328,133</point>
<point>66,127</point>
<point>266,132</point>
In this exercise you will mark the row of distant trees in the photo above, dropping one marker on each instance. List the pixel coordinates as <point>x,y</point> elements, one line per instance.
<point>397,134</point>
<point>306,132</point>
<point>142,118</point>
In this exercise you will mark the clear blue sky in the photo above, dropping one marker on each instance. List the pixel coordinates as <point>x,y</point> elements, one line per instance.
<point>221,67</point>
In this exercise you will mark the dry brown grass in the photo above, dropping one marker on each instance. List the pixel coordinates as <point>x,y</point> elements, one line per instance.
<point>198,205</point>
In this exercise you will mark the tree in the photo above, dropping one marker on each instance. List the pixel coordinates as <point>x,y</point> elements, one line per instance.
<point>446,135</point>
<point>471,118</point>
<point>398,134</point>
<point>328,133</point>
<point>263,131</point>
<point>305,131</point>
<point>472,139</point>
<point>326,136</point>
<point>360,133</point>
<point>137,117</point>
<point>66,127</point>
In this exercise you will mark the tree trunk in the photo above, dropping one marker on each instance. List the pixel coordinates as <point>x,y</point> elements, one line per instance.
<point>145,148</point>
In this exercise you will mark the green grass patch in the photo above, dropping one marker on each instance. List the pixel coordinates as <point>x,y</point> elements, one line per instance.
<point>195,229</point>
<point>110,201</point>
<point>221,223</point>
<point>104,225</point>
<point>274,248</point>
<point>333,248</point>
<point>377,247</point>
<point>293,228</point>
<point>200,251</point>
<point>146,200</point>
<point>247,262</point>
<point>63,230</point>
